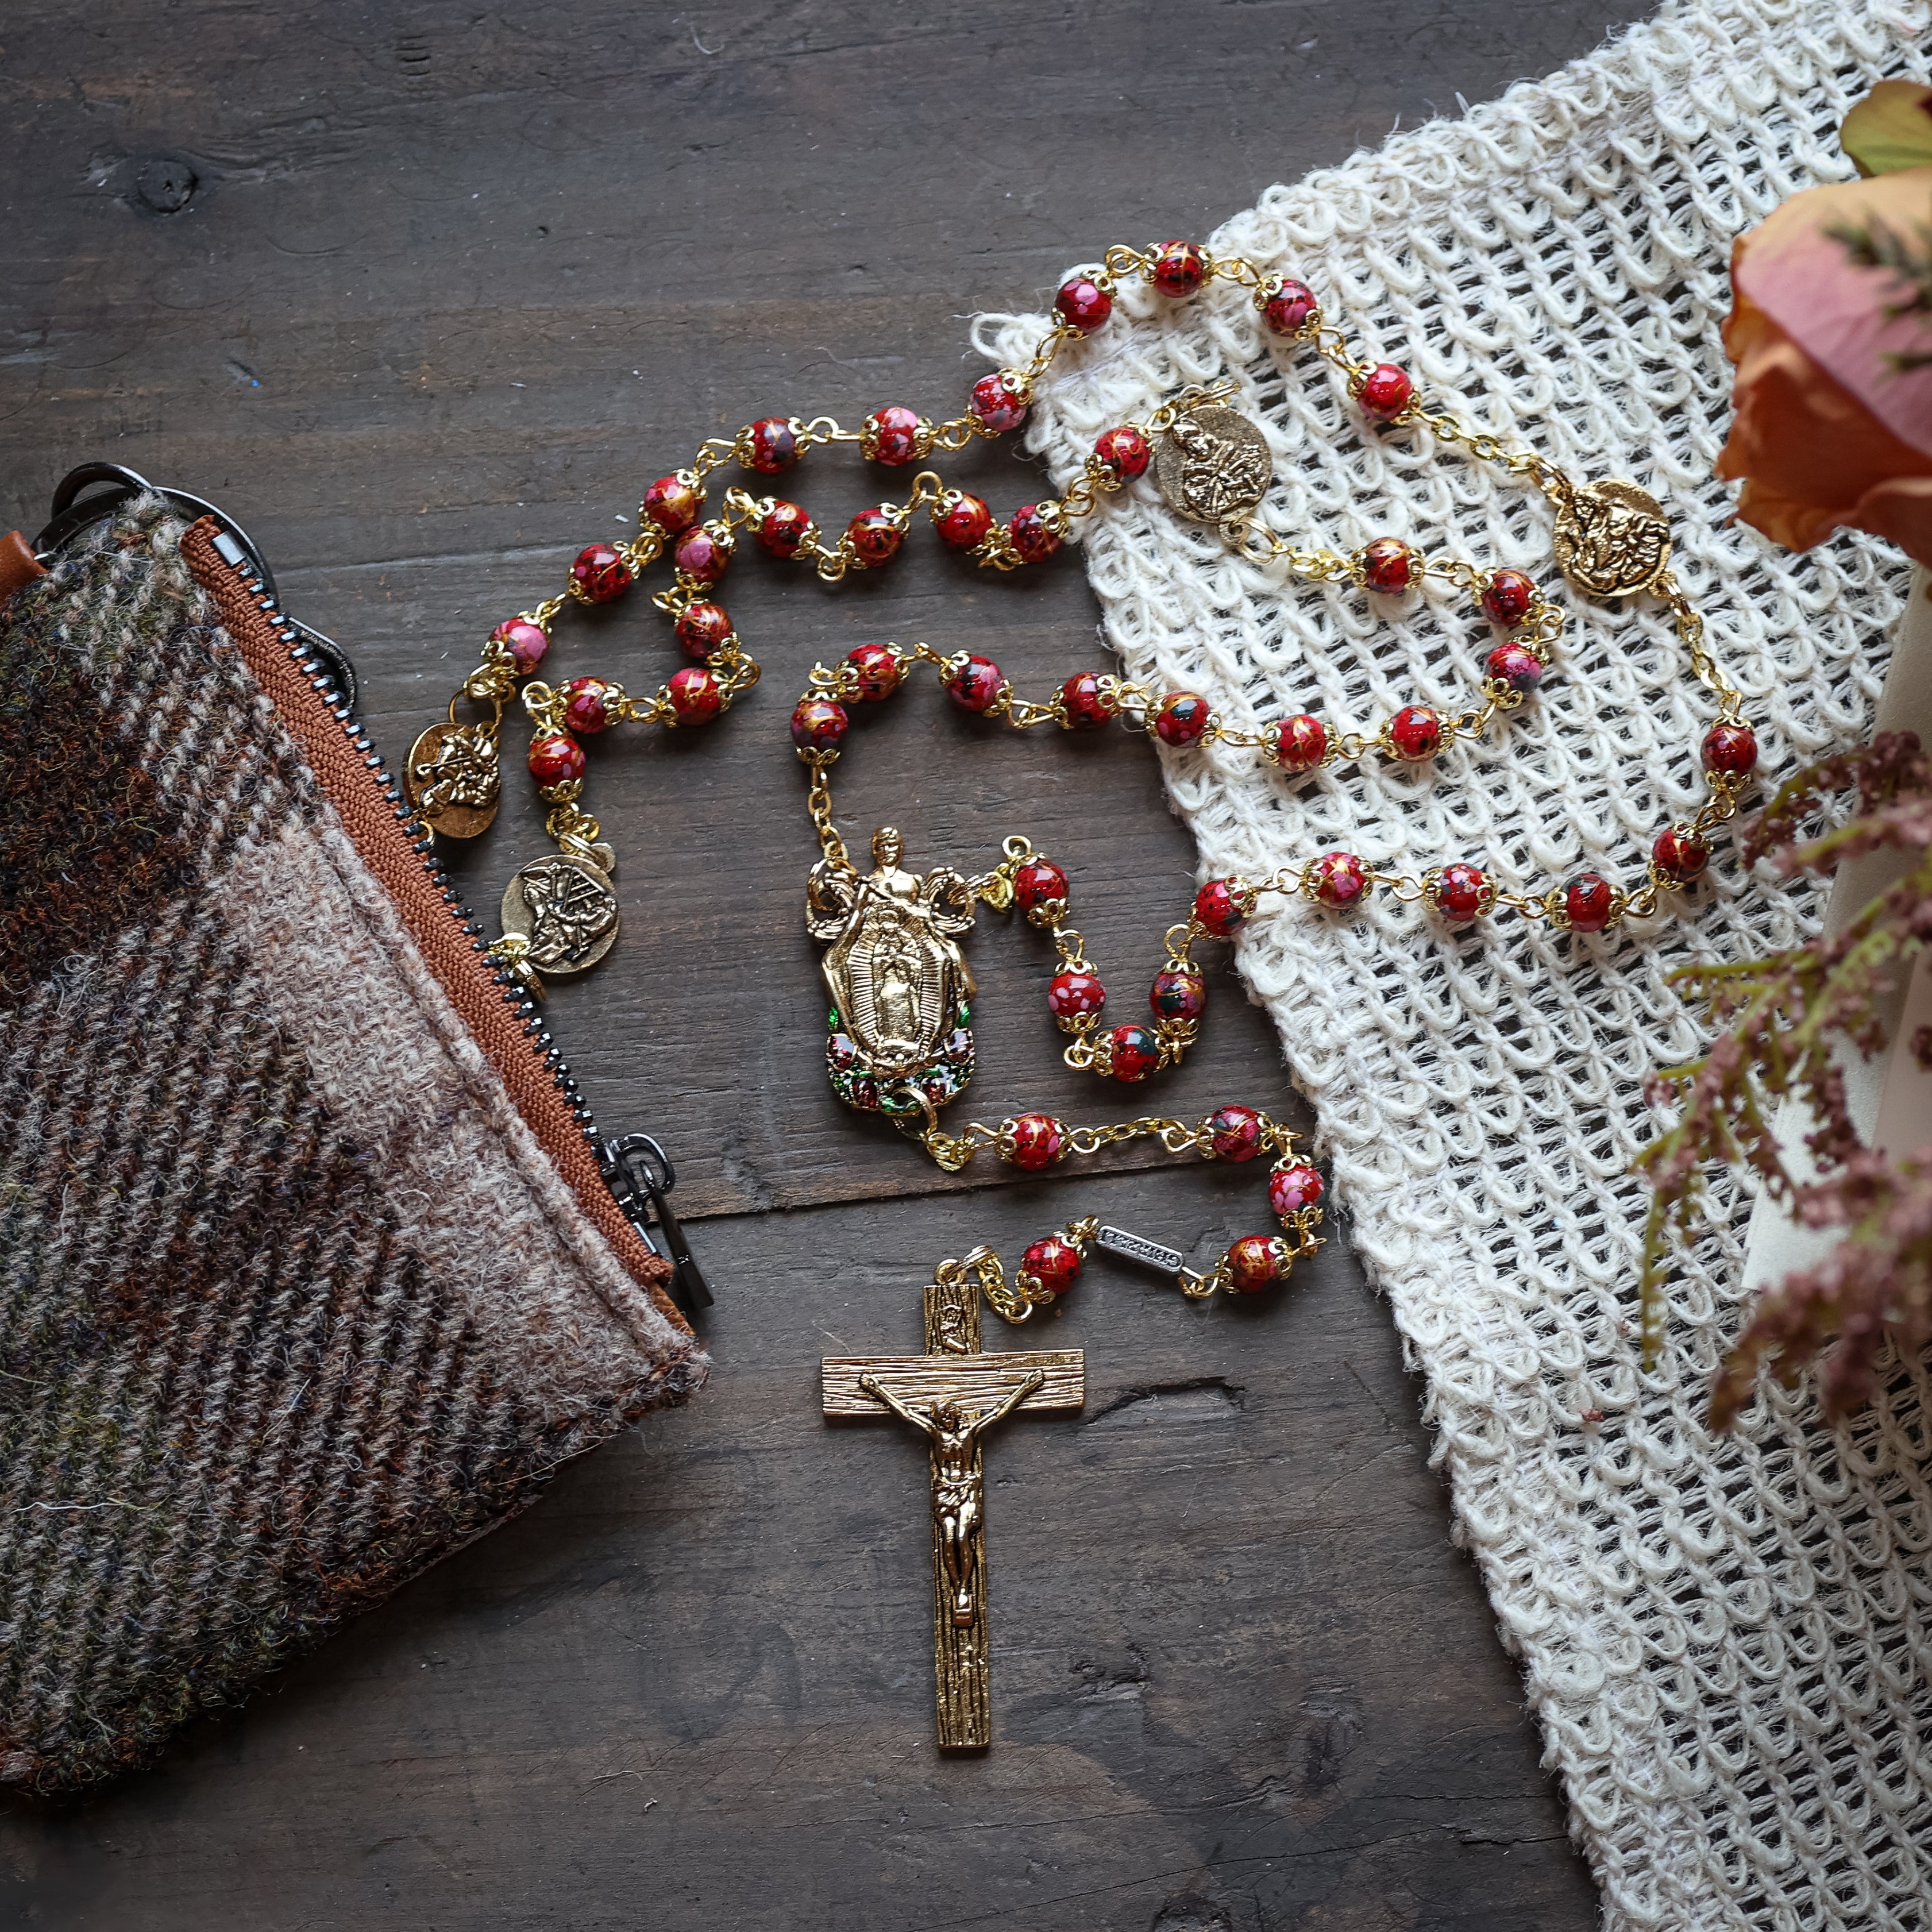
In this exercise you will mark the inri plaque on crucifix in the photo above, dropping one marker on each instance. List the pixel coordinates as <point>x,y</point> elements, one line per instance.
<point>954,1395</point>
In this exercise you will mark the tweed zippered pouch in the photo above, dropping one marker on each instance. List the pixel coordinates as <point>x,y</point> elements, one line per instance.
<point>309,1271</point>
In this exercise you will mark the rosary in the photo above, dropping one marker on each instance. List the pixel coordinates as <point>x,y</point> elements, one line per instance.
<point>899,1040</point>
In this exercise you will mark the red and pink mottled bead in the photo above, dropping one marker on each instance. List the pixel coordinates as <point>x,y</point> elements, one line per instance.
<point>1087,702</point>
<point>1220,906</point>
<point>1031,535</point>
<point>1507,598</point>
<point>1234,1132</point>
<point>1181,717</point>
<point>998,402</point>
<point>703,554</point>
<point>673,504</point>
<point>1730,750</point>
<point>1292,1188</point>
<point>1176,995</point>
<point>695,695</point>
<point>702,628</point>
<point>974,684</point>
<point>819,724</point>
<point>1301,743</point>
<point>783,528</point>
<point>1680,854</point>
<point>1133,1052</point>
<point>1054,1261</point>
<point>1589,902</point>
<point>586,705</point>
<point>1461,892</point>
<point>526,642</point>
<point>1075,994</point>
<point>1179,269</point>
<point>1339,880</point>
<point>1038,1140</point>
<point>600,573</point>
<point>771,444</point>
<point>1122,452</point>
<point>1288,308</point>
<point>1416,733</point>
<point>556,760</point>
<point>1039,882</point>
<point>1386,392</point>
<point>1515,665</point>
<point>1082,304</point>
<point>1389,565</point>
<point>875,537</point>
<point>964,522</point>
<point>1256,1262</point>
<point>891,435</point>
<point>877,670</point>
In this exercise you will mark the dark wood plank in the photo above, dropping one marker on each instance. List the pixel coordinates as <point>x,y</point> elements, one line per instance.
<point>425,295</point>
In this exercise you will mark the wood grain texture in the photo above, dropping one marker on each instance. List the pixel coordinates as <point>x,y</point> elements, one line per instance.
<point>980,1380</point>
<point>424,296</point>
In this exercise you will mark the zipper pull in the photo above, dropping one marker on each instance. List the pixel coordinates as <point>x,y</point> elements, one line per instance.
<point>639,1175</point>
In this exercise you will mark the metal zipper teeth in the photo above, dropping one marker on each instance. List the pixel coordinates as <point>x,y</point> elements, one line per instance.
<point>516,996</point>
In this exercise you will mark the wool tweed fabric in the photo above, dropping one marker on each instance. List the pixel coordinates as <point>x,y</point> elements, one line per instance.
<point>293,1300</point>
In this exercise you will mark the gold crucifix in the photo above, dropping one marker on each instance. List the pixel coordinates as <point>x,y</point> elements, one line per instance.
<point>952,1395</point>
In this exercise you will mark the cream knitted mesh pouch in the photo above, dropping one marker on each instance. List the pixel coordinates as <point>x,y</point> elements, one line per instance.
<point>1726,1641</point>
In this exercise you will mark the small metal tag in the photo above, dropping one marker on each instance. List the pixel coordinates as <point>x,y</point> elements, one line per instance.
<point>1138,1248</point>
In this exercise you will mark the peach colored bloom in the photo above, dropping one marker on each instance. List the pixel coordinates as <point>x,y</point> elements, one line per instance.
<point>1828,431</point>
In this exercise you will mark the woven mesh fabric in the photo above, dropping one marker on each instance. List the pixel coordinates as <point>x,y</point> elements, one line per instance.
<point>1725,1641</point>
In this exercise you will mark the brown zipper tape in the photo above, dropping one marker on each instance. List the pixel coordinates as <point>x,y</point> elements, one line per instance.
<point>18,565</point>
<point>370,819</point>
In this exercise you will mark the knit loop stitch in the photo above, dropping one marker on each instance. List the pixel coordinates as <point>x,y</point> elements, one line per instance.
<point>1725,1641</point>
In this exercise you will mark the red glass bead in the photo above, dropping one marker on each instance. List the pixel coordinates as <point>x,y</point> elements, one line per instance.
<point>1292,1189</point>
<point>1507,597</point>
<point>1029,534</point>
<point>1123,452</point>
<point>556,760</point>
<point>1220,906</point>
<point>673,504</point>
<point>1386,392</point>
<point>997,404</point>
<point>1234,1133</point>
<point>1301,743</point>
<point>694,694</point>
<point>1179,269</point>
<point>1083,304</point>
<point>702,628</point>
<point>875,537</point>
<point>1037,1140</point>
<point>1515,665</point>
<point>526,643</point>
<point>1054,1261</point>
<point>1087,702</point>
<point>703,554</point>
<point>1038,883</point>
<point>1416,733</point>
<point>1134,1051</point>
<point>1588,900</point>
<point>891,435</point>
<point>771,444</point>
<point>964,522</point>
<point>583,705</point>
<point>1074,994</point>
<point>1180,717</point>
<point>1680,854</point>
<point>601,573</point>
<point>879,670</point>
<point>1288,307</point>
<point>1389,565</point>
<point>1340,879</point>
<point>1254,1262</point>
<point>819,724</point>
<point>1177,995</point>
<point>783,527</point>
<point>1461,892</point>
<point>1730,749</point>
<point>974,683</point>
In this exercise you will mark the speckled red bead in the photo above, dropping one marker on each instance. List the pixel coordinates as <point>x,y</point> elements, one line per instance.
<point>1680,854</point>
<point>1588,900</point>
<point>701,628</point>
<point>1220,906</point>
<point>996,404</point>
<point>556,760</point>
<point>585,709</point>
<point>526,642</point>
<point>1039,882</point>
<point>875,537</point>
<point>1234,1132</point>
<point>673,504</point>
<point>1301,743</point>
<point>1288,307</point>
<point>1087,704</point>
<point>1416,733</point>
<point>1177,995</point>
<point>695,695</point>
<point>1386,392</point>
<point>703,554</point>
<point>1515,665</point>
<point>1122,452</point>
<point>1730,750</point>
<point>890,436</point>
<point>1179,269</point>
<point>1082,304</point>
<point>974,683</point>
<point>1181,717</point>
<point>1054,1261</point>
<point>819,724</point>
<point>1390,566</point>
<point>1135,1052</point>
<point>964,522</point>
<point>1075,994</point>
<point>877,669</point>
<point>1031,535</point>
<point>1256,1262</point>
<point>1339,879</point>
<point>771,444</point>
<point>1293,1188</point>
<point>1038,1139</point>
<point>1461,892</point>
<point>783,528</point>
<point>601,573</point>
<point>1507,597</point>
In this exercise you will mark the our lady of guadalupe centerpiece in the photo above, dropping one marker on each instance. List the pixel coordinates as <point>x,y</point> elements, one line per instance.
<point>899,1040</point>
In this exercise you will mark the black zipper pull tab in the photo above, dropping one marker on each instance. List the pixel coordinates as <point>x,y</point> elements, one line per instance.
<point>640,1175</point>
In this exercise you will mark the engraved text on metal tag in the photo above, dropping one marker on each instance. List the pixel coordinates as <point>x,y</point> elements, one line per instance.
<point>1212,464</point>
<point>1612,539</point>
<point>565,907</point>
<point>452,779</point>
<point>1138,1248</point>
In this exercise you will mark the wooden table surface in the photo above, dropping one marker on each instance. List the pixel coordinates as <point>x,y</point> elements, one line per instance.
<point>424,295</point>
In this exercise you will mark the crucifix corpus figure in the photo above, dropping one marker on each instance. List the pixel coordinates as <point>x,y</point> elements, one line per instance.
<point>953,1395</point>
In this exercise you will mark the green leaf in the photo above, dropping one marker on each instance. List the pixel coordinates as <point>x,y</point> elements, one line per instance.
<point>1890,129</point>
